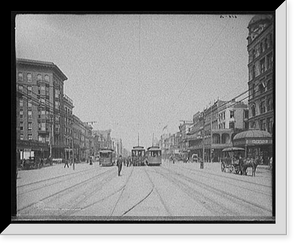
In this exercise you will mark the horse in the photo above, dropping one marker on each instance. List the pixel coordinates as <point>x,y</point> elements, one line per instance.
<point>249,162</point>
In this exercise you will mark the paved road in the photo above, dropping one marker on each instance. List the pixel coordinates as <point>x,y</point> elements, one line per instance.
<point>171,190</point>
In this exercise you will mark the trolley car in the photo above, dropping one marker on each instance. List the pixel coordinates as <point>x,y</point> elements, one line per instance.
<point>153,155</point>
<point>138,155</point>
<point>106,157</point>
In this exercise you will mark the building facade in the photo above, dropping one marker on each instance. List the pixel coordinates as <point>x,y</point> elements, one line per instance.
<point>261,72</point>
<point>68,125</point>
<point>214,128</point>
<point>40,121</point>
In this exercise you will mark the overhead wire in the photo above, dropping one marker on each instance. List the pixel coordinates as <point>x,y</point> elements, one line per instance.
<point>196,69</point>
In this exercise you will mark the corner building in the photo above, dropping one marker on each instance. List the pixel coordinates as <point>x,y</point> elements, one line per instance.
<point>261,72</point>
<point>261,78</point>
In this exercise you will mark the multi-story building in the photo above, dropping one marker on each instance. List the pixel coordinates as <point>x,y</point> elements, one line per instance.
<point>214,128</point>
<point>68,125</point>
<point>184,129</point>
<point>261,72</point>
<point>39,112</point>
<point>104,139</point>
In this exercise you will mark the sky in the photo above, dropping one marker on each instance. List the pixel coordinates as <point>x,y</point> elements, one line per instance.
<point>136,74</point>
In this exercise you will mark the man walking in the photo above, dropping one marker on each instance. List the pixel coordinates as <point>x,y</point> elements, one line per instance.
<point>119,164</point>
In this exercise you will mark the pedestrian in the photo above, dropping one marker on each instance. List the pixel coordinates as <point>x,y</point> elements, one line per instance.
<point>66,163</point>
<point>119,164</point>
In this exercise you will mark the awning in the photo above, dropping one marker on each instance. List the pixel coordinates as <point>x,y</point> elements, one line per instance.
<point>252,138</point>
<point>232,149</point>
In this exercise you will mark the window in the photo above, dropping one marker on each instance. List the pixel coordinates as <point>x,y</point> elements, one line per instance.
<point>21,88</point>
<point>262,65</point>
<point>266,43</point>
<point>42,90</point>
<point>21,103</point>
<point>262,107</point>
<point>42,126</point>
<point>29,136</point>
<point>252,91</point>
<point>20,76</point>
<point>263,124</point>
<point>269,104</point>
<point>231,113</point>
<point>57,93</point>
<point>39,77</point>
<point>29,89</point>
<point>29,104</point>
<point>270,125</point>
<point>29,126</point>
<point>269,61</point>
<point>42,102</point>
<point>253,72</point>
<point>246,113</point>
<point>29,77</point>
<point>29,113</point>
<point>47,78</point>
<point>262,87</point>
<point>252,124</point>
<point>21,113</point>
<point>56,104</point>
<point>269,84</point>
<point>21,136</point>
<point>262,46</point>
<point>21,126</point>
<point>253,112</point>
<point>231,125</point>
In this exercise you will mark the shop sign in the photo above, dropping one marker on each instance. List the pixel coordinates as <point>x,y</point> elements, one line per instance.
<point>259,142</point>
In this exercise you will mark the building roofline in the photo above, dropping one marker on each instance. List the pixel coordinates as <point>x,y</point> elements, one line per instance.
<point>43,64</point>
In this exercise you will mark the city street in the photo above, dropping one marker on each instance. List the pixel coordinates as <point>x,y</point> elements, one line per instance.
<point>170,190</point>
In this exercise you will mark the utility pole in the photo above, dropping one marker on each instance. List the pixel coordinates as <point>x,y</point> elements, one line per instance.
<point>51,138</point>
<point>72,122</point>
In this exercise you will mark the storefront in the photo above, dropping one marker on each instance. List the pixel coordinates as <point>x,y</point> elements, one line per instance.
<point>256,143</point>
<point>31,149</point>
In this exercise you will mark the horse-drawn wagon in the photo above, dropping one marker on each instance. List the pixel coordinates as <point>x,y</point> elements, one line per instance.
<point>234,161</point>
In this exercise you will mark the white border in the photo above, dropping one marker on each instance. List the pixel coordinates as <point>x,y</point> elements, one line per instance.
<point>280,227</point>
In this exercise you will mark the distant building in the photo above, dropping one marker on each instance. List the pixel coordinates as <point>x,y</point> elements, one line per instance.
<point>213,129</point>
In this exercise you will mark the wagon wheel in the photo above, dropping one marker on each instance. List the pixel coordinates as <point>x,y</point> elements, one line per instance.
<point>222,167</point>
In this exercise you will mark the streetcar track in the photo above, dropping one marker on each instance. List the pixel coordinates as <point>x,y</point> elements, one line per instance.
<point>220,192</point>
<point>52,178</point>
<point>122,191</point>
<point>200,173</point>
<point>160,198</point>
<point>64,190</point>
<point>72,176</point>
<point>194,194</point>
<point>74,208</point>
<point>227,177</point>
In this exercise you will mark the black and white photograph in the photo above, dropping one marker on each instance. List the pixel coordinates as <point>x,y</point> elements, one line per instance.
<point>147,118</point>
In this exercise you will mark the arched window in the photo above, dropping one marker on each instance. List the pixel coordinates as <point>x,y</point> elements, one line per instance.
<point>47,79</point>
<point>29,77</point>
<point>225,138</point>
<point>216,138</point>
<point>39,77</point>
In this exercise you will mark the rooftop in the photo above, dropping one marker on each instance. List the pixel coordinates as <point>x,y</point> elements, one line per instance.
<point>42,64</point>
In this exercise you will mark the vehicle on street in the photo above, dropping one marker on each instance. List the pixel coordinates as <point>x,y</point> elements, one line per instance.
<point>195,158</point>
<point>138,156</point>
<point>153,156</point>
<point>106,157</point>
<point>230,161</point>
